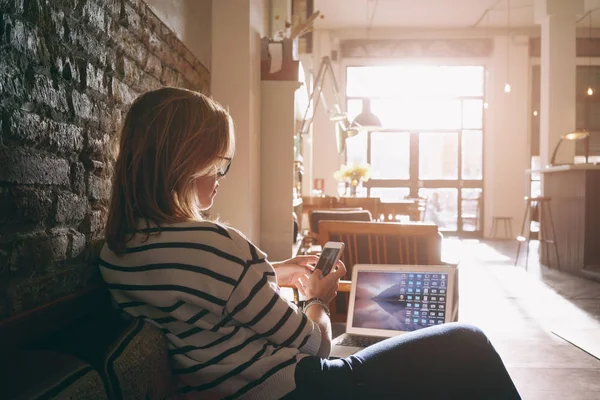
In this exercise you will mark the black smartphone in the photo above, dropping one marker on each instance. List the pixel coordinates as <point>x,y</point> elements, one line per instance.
<point>332,251</point>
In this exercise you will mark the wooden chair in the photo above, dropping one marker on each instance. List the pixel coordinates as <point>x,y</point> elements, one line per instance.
<point>366,203</point>
<point>390,210</point>
<point>379,243</point>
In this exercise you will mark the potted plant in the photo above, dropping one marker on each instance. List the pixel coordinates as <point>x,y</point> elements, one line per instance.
<point>353,175</point>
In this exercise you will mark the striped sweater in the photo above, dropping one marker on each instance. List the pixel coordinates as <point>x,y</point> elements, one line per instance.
<point>215,296</point>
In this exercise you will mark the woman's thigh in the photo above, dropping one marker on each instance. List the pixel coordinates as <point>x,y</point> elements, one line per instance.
<point>446,361</point>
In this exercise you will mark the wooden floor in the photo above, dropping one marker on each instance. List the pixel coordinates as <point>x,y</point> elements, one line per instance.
<point>518,311</point>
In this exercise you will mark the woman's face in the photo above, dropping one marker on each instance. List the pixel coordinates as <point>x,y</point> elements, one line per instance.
<point>206,186</point>
<point>206,189</point>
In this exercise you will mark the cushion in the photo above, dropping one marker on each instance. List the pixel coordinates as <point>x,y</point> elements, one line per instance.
<point>35,374</point>
<point>337,215</point>
<point>130,354</point>
<point>136,364</point>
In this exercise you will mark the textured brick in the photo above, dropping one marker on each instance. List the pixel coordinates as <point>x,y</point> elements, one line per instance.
<point>137,78</point>
<point>105,117</point>
<point>83,106</point>
<point>12,85</point>
<point>40,251</point>
<point>98,142</point>
<point>94,14</point>
<point>131,46</point>
<point>133,21</point>
<point>122,93</point>
<point>44,92</point>
<point>38,131</point>
<point>78,178</point>
<point>96,80</point>
<point>57,17</point>
<point>27,40</point>
<point>171,77</point>
<point>67,68</point>
<point>153,66</point>
<point>158,47</point>
<point>68,71</point>
<point>94,224</point>
<point>25,205</point>
<point>70,209</point>
<point>90,45</point>
<point>98,188</point>
<point>78,243</point>
<point>27,167</point>
<point>38,290</point>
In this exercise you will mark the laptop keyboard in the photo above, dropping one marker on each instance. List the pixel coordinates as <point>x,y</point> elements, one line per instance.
<point>359,341</point>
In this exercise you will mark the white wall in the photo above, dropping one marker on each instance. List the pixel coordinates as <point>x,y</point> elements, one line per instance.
<point>506,135</point>
<point>321,148</point>
<point>191,22</point>
<point>237,28</point>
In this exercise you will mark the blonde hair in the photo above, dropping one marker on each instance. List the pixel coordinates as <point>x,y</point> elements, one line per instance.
<point>169,138</point>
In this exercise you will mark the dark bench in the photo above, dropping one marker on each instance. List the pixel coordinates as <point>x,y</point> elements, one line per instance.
<point>79,347</point>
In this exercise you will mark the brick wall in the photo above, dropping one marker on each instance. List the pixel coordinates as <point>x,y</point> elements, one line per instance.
<point>68,70</point>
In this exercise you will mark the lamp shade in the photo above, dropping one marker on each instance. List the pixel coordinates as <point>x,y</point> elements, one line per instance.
<point>577,134</point>
<point>366,120</point>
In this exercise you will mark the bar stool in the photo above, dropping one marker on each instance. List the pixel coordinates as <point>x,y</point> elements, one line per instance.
<point>506,223</point>
<point>542,206</point>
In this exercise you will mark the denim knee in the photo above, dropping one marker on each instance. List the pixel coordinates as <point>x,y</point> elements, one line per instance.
<point>468,333</point>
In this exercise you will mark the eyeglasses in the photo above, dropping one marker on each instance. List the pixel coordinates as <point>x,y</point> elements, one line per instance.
<point>225,168</point>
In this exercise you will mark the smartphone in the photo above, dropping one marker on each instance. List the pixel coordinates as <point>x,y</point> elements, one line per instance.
<point>332,251</point>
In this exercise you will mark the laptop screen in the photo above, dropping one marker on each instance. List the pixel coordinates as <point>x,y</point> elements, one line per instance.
<point>400,300</point>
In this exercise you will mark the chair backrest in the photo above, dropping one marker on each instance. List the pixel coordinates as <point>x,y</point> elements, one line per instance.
<point>366,203</point>
<point>390,210</point>
<point>380,243</point>
<point>343,214</point>
<point>383,242</point>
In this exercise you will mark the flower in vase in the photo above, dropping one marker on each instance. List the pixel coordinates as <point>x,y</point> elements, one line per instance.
<point>353,174</point>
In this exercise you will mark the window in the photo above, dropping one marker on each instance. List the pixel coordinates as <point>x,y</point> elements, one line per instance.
<point>432,144</point>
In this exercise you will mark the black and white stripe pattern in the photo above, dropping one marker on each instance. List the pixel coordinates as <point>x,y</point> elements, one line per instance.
<point>215,296</point>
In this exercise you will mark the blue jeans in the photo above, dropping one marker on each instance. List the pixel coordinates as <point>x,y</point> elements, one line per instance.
<point>450,361</point>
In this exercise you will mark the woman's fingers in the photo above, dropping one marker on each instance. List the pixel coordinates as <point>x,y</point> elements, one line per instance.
<point>305,260</point>
<point>300,288</point>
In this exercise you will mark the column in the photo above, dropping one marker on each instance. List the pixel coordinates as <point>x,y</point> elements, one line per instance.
<point>278,125</point>
<point>558,63</point>
<point>235,82</point>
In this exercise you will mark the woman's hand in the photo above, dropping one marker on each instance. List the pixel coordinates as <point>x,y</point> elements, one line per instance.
<point>288,271</point>
<point>322,287</point>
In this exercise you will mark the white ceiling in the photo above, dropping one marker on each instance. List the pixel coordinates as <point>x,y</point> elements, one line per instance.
<point>431,14</point>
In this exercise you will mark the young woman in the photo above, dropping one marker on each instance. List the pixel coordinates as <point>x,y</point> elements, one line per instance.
<point>216,296</point>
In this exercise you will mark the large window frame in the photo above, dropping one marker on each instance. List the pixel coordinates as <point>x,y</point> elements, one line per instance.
<point>414,183</point>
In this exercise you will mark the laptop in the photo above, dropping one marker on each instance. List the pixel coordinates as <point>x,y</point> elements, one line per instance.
<point>390,300</point>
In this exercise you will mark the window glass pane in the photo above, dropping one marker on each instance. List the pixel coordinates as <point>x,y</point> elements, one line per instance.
<point>441,207</point>
<point>472,155</point>
<point>471,210</point>
<point>390,155</point>
<point>536,188</point>
<point>418,113</point>
<point>535,166</point>
<point>354,108</point>
<point>438,156</point>
<point>356,149</point>
<point>414,81</point>
<point>390,194</point>
<point>472,114</point>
